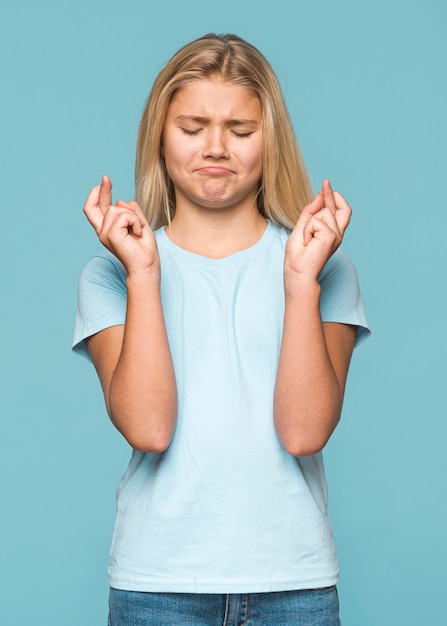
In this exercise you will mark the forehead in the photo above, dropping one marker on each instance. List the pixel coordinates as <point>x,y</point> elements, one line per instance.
<point>213,96</point>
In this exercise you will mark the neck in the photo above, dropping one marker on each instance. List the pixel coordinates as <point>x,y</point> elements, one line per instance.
<point>216,233</point>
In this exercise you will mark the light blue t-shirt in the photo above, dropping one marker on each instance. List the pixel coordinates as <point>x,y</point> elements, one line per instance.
<point>225,509</point>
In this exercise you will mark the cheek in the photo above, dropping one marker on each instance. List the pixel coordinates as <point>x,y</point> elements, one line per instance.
<point>253,157</point>
<point>172,160</point>
<point>177,152</point>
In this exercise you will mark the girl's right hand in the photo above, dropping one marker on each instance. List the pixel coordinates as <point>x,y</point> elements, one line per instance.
<point>123,229</point>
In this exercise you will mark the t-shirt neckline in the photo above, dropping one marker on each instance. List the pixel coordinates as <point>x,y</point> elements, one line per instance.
<point>240,255</point>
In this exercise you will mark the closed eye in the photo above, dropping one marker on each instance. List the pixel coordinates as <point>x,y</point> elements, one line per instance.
<point>242,134</point>
<point>187,131</point>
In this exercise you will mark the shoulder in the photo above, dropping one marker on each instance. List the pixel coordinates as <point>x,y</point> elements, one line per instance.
<point>275,239</point>
<point>280,233</point>
<point>102,298</point>
<point>341,298</point>
<point>104,264</point>
<point>339,267</point>
<point>102,270</point>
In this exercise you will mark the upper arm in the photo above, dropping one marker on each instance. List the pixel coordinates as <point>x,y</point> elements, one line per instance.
<point>340,342</point>
<point>104,349</point>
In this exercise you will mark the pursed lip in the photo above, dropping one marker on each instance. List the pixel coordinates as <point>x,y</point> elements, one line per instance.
<point>214,170</point>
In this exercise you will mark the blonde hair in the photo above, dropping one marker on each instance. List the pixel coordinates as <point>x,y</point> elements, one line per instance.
<point>284,188</point>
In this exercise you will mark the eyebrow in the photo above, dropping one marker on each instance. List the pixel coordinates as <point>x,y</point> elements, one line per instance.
<point>205,120</point>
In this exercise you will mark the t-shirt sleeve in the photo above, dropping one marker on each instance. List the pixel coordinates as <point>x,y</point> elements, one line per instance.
<point>341,300</point>
<point>102,300</point>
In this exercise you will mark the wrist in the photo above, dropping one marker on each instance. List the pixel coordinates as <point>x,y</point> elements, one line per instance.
<point>143,278</point>
<point>301,285</point>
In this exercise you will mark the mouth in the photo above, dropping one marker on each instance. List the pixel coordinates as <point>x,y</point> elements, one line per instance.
<point>214,170</point>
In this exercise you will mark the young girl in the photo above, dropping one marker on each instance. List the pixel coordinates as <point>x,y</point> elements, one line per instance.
<point>222,342</point>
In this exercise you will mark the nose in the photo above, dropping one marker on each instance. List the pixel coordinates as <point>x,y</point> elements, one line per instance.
<point>215,146</point>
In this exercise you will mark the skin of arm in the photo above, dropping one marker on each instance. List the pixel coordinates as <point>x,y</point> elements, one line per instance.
<point>133,361</point>
<point>315,356</point>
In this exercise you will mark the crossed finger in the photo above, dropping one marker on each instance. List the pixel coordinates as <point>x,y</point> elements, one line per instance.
<point>343,212</point>
<point>98,202</point>
<point>335,210</point>
<point>328,196</point>
<point>328,210</point>
<point>105,194</point>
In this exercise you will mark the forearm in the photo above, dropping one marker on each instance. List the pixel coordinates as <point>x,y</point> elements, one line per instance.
<point>142,398</point>
<point>308,397</point>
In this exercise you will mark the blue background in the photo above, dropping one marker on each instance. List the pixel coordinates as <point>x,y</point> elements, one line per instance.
<point>366,87</point>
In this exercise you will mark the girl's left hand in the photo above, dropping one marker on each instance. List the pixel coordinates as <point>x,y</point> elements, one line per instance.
<point>317,234</point>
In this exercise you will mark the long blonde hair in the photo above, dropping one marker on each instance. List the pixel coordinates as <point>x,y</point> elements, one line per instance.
<point>284,188</point>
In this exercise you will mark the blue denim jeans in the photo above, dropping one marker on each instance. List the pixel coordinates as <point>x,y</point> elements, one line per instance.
<point>314,607</point>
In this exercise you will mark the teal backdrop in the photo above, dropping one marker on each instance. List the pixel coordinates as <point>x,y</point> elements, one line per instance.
<point>366,87</point>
